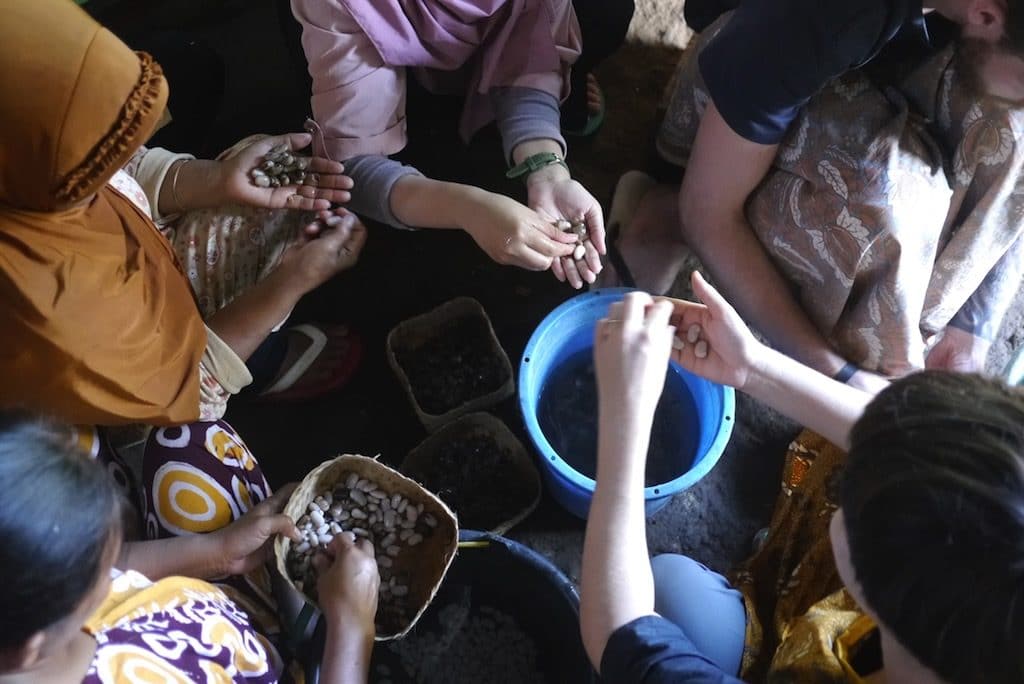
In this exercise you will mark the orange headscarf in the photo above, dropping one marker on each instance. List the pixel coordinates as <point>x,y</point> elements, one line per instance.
<point>97,322</point>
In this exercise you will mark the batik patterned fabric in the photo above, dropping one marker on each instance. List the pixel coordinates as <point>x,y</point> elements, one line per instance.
<point>886,207</point>
<point>176,630</point>
<point>228,249</point>
<point>798,611</point>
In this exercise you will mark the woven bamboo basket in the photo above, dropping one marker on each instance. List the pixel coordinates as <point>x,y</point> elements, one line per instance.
<point>414,332</point>
<point>425,564</point>
<point>419,459</point>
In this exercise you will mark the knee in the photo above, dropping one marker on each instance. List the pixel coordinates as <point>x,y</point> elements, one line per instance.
<point>674,568</point>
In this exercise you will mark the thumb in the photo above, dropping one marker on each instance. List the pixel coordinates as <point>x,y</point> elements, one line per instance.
<point>278,500</point>
<point>708,294</point>
<point>295,141</point>
<point>278,524</point>
<point>335,237</point>
<point>550,230</point>
<point>595,224</point>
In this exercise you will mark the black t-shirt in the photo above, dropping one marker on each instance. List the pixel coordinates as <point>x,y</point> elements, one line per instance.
<point>773,55</point>
<point>653,650</point>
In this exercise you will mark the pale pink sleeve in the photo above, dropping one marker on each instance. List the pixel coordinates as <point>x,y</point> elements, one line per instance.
<point>358,100</point>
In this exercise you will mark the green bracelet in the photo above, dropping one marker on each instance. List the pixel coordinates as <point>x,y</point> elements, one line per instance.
<point>535,162</point>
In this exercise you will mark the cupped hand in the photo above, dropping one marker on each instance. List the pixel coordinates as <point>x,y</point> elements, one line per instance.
<point>557,198</point>
<point>513,234</point>
<point>331,186</point>
<point>330,244</point>
<point>631,352</point>
<point>958,351</point>
<point>732,350</point>
<point>247,543</point>
<point>347,582</point>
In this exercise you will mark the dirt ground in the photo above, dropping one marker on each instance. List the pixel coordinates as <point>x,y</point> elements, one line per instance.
<point>403,274</point>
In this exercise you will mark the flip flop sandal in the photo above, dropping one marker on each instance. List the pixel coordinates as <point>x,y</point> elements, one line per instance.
<point>629,191</point>
<point>330,339</point>
<point>594,121</point>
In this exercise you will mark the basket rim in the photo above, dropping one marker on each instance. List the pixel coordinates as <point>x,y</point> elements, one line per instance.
<point>356,462</point>
<point>519,454</point>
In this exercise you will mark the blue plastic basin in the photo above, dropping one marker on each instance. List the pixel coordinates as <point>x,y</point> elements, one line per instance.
<point>568,330</point>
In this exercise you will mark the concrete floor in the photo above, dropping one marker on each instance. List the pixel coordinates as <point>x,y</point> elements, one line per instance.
<point>403,274</point>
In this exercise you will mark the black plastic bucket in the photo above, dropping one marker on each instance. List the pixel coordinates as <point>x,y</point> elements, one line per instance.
<point>500,574</point>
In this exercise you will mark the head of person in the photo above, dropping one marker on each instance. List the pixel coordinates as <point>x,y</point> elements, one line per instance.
<point>992,46</point>
<point>60,533</point>
<point>75,104</point>
<point>929,537</point>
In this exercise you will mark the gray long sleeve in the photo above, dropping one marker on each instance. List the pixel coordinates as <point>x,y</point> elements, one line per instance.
<point>373,177</point>
<point>524,114</point>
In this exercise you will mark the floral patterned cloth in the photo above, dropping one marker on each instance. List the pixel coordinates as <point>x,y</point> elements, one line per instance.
<point>176,630</point>
<point>895,210</point>
<point>197,478</point>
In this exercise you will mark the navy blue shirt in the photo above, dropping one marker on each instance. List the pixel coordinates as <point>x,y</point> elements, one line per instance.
<point>653,650</point>
<point>773,55</point>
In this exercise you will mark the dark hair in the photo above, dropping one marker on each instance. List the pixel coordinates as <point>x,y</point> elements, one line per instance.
<point>933,500</point>
<point>58,512</point>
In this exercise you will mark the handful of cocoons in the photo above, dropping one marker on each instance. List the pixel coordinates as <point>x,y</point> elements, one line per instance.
<point>580,229</point>
<point>280,167</point>
<point>700,349</point>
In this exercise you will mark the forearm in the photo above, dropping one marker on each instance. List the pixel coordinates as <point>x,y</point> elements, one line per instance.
<point>428,203</point>
<point>247,321</point>
<point>188,556</point>
<point>191,184</point>
<point>747,278</point>
<point>617,584</point>
<point>347,653</point>
<point>808,397</point>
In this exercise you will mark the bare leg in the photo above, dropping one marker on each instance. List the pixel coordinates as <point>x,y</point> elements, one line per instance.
<point>651,243</point>
<point>746,276</point>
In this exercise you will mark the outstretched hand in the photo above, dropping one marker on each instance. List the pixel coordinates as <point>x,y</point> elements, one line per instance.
<point>513,234</point>
<point>331,186</point>
<point>567,199</point>
<point>732,350</point>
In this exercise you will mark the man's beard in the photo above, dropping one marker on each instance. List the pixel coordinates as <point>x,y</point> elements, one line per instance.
<point>971,56</point>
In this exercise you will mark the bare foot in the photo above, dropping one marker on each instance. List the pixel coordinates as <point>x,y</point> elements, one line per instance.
<point>595,97</point>
<point>650,243</point>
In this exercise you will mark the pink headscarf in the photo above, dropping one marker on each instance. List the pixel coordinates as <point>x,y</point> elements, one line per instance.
<point>527,43</point>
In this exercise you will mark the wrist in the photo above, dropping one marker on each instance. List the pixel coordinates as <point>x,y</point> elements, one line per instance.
<point>553,173</point>
<point>623,431</point>
<point>465,201</point>
<point>207,550</point>
<point>290,280</point>
<point>344,624</point>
